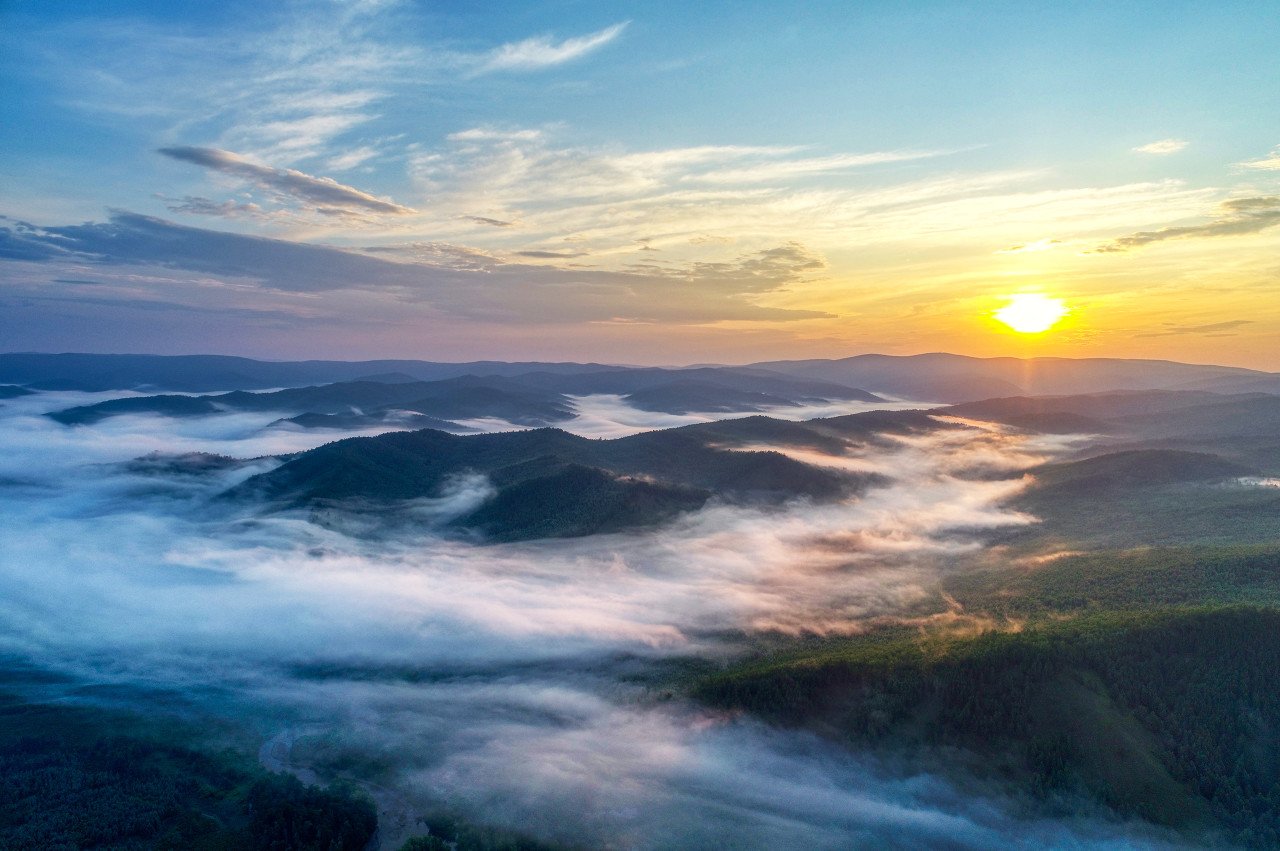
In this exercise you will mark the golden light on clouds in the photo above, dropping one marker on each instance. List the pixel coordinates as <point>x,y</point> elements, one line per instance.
<point>1031,313</point>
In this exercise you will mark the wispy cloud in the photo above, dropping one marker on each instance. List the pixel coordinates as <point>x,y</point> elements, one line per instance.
<point>1236,217</point>
<point>544,52</point>
<point>485,220</point>
<point>786,169</point>
<point>1161,147</point>
<point>194,205</point>
<point>1031,247</point>
<point>1212,329</point>
<point>297,84</point>
<point>321,193</point>
<point>541,254</point>
<point>352,158</point>
<point>1271,162</point>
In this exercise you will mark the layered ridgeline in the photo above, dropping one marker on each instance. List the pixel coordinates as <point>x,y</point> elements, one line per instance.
<point>1157,467</point>
<point>1119,656</point>
<point>939,377</point>
<point>550,483</point>
<point>530,399</point>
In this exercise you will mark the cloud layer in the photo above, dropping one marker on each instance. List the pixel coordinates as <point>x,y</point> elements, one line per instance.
<point>442,279</point>
<point>506,682</point>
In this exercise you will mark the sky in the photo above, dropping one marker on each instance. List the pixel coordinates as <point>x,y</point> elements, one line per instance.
<point>647,182</point>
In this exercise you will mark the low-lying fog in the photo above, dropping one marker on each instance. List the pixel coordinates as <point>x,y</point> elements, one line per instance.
<point>508,681</point>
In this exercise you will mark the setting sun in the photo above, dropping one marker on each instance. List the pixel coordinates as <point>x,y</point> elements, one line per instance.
<point>1031,313</point>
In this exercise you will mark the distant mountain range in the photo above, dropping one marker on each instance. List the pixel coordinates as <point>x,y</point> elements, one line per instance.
<point>956,378</point>
<point>530,399</point>
<point>934,377</point>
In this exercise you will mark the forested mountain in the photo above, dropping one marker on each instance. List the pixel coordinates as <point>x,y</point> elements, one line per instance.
<point>550,483</point>
<point>944,377</point>
<point>1169,716</point>
<point>531,399</point>
<point>930,377</point>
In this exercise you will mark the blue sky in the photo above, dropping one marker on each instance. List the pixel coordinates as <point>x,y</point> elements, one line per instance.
<point>649,182</point>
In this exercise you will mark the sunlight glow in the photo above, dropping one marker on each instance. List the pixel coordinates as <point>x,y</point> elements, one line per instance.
<point>1031,313</point>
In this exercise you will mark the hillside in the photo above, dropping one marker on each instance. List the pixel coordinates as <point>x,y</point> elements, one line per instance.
<point>1101,406</point>
<point>682,397</point>
<point>952,378</point>
<point>1136,468</point>
<point>1165,715</point>
<point>552,483</point>
<point>165,406</point>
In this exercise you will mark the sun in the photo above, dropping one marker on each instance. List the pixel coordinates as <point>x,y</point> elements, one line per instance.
<point>1031,313</point>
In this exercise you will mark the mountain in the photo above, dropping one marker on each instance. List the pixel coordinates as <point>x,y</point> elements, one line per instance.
<point>635,379</point>
<point>12,391</point>
<point>1133,469</point>
<point>353,421</point>
<point>1243,427</point>
<point>683,397</point>
<point>469,397</point>
<point>1092,405</point>
<point>1146,497</point>
<point>205,373</point>
<point>1217,417</point>
<point>534,399</point>
<point>356,404</point>
<point>167,406</point>
<point>1160,714</point>
<point>934,377</point>
<point>552,483</point>
<point>182,464</point>
<point>573,501</point>
<point>951,378</point>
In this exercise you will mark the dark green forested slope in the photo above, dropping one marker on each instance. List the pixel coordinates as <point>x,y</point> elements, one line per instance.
<point>1172,715</point>
<point>1147,497</point>
<point>1146,577</point>
<point>551,483</point>
<point>74,777</point>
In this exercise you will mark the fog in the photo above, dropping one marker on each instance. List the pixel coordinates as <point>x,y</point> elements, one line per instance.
<point>522,684</point>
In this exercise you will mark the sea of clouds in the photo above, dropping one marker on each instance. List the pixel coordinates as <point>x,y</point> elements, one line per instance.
<point>521,684</point>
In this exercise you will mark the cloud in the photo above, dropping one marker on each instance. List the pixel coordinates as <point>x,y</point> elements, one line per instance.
<point>524,168</point>
<point>485,220</point>
<point>1031,247</point>
<point>283,88</point>
<point>1161,147</point>
<point>195,205</point>
<point>1236,217</point>
<point>1271,162</point>
<point>786,169</point>
<point>692,200</point>
<point>352,158</point>
<point>542,52</point>
<point>782,265</point>
<point>551,255</point>
<point>1213,329</point>
<point>430,278</point>
<point>321,193</point>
